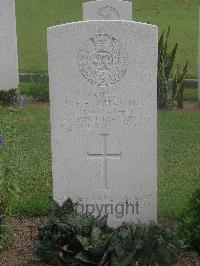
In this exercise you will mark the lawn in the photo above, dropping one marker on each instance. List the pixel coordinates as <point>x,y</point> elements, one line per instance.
<point>178,158</point>
<point>191,95</point>
<point>34,16</point>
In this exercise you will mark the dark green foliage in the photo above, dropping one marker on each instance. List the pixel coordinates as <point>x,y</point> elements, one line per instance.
<point>144,245</point>
<point>8,98</point>
<point>177,80</point>
<point>39,92</point>
<point>170,85</point>
<point>41,78</point>
<point>189,227</point>
<point>69,238</point>
<point>36,86</point>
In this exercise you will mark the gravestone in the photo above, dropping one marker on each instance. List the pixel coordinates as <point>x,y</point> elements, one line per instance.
<point>9,78</point>
<point>107,10</point>
<point>103,86</point>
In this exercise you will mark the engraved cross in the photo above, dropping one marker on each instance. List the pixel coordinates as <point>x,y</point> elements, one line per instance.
<point>104,156</point>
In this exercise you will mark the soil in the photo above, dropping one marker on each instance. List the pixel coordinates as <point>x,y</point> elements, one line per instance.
<point>33,103</point>
<point>21,247</point>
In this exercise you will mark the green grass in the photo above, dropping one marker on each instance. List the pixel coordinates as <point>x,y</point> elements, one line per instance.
<point>34,16</point>
<point>32,165</point>
<point>191,95</point>
<point>178,158</point>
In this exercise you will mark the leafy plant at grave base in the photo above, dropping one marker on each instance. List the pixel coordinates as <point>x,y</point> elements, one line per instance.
<point>170,85</point>
<point>9,97</point>
<point>38,89</point>
<point>8,183</point>
<point>189,227</point>
<point>177,81</point>
<point>69,238</point>
<point>39,92</point>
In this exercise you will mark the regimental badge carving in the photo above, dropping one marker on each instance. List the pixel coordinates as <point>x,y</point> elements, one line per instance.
<point>108,13</point>
<point>102,60</point>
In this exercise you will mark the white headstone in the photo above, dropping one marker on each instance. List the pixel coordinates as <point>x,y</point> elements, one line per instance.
<point>107,10</point>
<point>103,86</point>
<point>9,78</point>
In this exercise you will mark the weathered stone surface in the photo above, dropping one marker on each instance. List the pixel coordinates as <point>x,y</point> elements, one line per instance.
<point>8,46</point>
<point>103,86</point>
<point>107,10</point>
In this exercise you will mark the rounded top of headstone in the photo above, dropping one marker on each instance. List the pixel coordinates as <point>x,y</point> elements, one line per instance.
<point>102,56</point>
<point>139,25</point>
<point>107,10</point>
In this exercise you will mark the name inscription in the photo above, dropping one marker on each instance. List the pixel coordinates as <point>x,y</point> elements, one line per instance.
<point>100,110</point>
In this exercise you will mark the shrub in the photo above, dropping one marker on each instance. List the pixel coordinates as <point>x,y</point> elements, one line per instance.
<point>9,97</point>
<point>36,85</point>
<point>39,92</point>
<point>170,85</point>
<point>189,227</point>
<point>69,238</point>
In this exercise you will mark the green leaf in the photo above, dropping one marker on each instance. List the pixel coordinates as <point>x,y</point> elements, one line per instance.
<point>84,258</point>
<point>67,207</point>
<point>129,260</point>
<point>114,261</point>
<point>84,241</point>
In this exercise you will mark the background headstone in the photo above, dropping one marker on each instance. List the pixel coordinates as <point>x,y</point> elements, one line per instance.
<point>9,78</point>
<point>107,10</point>
<point>103,86</point>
